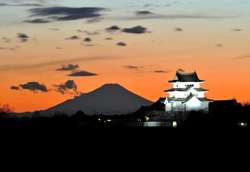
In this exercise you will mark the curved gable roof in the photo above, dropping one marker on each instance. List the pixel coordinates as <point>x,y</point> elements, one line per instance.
<point>186,77</point>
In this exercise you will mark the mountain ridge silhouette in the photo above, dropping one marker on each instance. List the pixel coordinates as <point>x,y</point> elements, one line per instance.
<point>109,99</point>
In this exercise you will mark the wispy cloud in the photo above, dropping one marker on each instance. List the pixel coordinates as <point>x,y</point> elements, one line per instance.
<point>236,30</point>
<point>9,48</point>
<point>51,63</point>
<point>89,33</point>
<point>241,57</point>
<point>179,16</point>
<point>162,71</point>
<point>131,67</point>
<point>21,5</point>
<point>55,29</point>
<point>7,40</point>
<point>37,21</point>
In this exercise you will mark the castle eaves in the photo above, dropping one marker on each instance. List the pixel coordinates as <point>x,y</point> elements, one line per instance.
<point>186,77</point>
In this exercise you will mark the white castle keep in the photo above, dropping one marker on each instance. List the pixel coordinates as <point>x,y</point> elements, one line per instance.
<point>186,94</point>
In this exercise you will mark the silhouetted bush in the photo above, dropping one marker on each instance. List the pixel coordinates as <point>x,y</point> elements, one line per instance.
<point>5,109</point>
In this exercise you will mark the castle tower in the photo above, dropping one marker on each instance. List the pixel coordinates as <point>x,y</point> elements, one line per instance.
<point>186,94</point>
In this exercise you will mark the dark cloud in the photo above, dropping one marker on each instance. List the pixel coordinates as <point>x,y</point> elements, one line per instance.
<point>14,88</point>
<point>89,33</point>
<point>219,45</point>
<point>131,67</point>
<point>64,88</point>
<point>68,13</point>
<point>162,71</point>
<point>37,21</point>
<point>180,70</point>
<point>23,37</point>
<point>121,44</point>
<point>68,67</point>
<point>82,73</point>
<point>34,86</point>
<point>136,30</point>
<point>178,29</point>
<point>73,37</point>
<point>87,40</point>
<point>112,28</point>
<point>108,38</point>
<point>144,13</point>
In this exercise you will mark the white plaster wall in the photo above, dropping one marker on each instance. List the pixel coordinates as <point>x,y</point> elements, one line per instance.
<point>179,107</point>
<point>168,106</point>
<point>192,105</point>
<point>195,105</point>
<point>183,85</point>
<point>183,94</point>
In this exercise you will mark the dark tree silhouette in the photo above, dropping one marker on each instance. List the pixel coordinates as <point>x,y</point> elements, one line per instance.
<point>5,109</point>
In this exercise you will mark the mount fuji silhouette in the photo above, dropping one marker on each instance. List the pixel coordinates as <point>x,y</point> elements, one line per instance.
<point>109,99</point>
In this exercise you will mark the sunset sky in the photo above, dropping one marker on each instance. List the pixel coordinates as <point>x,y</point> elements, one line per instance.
<point>53,50</point>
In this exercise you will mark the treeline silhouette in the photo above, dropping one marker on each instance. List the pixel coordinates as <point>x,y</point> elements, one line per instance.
<point>221,116</point>
<point>82,141</point>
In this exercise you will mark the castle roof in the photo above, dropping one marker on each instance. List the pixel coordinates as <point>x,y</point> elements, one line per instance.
<point>158,105</point>
<point>185,89</point>
<point>186,77</point>
<point>186,99</point>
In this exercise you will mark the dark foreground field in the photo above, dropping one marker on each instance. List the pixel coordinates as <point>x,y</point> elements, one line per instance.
<point>123,148</point>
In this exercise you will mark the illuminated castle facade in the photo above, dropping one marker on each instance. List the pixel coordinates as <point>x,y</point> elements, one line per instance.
<point>186,94</point>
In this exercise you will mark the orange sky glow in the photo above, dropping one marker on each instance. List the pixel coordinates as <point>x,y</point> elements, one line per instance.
<point>156,39</point>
